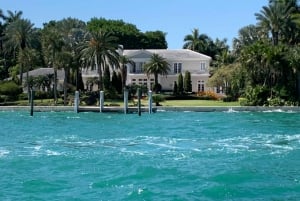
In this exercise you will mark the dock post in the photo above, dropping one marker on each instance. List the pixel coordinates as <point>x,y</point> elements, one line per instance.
<point>31,101</point>
<point>125,101</point>
<point>150,101</point>
<point>76,101</point>
<point>139,101</point>
<point>101,102</point>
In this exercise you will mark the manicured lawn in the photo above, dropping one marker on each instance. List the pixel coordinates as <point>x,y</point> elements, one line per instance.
<point>187,103</point>
<point>198,103</point>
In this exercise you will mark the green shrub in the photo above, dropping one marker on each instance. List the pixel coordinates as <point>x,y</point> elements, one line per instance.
<point>243,101</point>
<point>23,96</point>
<point>157,98</point>
<point>10,89</point>
<point>90,98</point>
<point>181,97</point>
<point>43,95</point>
<point>257,95</point>
<point>277,101</point>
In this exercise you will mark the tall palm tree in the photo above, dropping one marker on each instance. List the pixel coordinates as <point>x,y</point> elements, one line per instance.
<point>27,58</point>
<point>273,18</point>
<point>157,66</point>
<point>13,16</point>
<point>124,60</point>
<point>100,49</point>
<point>18,37</point>
<point>196,41</point>
<point>52,43</point>
<point>72,32</point>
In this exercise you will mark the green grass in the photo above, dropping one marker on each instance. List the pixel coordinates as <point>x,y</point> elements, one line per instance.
<point>187,103</point>
<point>198,103</point>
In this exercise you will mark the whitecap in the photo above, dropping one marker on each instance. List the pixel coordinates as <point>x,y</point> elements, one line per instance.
<point>230,110</point>
<point>37,148</point>
<point>3,152</point>
<point>275,110</point>
<point>161,110</point>
<point>197,150</point>
<point>53,153</point>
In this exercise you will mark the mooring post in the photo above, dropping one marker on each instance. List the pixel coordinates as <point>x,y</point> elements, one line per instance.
<point>139,101</point>
<point>101,102</point>
<point>150,101</point>
<point>125,101</point>
<point>76,101</point>
<point>31,101</point>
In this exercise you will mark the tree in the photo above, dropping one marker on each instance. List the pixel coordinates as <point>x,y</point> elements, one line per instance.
<point>180,84</point>
<point>12,16</point>
<point>52,43</point>
<point>115,82</point>
<point>100,48</point>
<point>231,78</point>
<point>247,36</point>
<point>157,66</point>
<point>195,41</point>
<point>187,82</point>
<point>175,88</point>
<point>18,37</point>
<point>27,58</point>
<point>273,19</point>
<point>72,32</point>
<point>128,35</point>
<point>106,78</point>
<point>124,60</point>
<point>154,40</point>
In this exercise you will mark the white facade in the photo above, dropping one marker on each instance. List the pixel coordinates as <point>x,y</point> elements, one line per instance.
<point>180,61</point>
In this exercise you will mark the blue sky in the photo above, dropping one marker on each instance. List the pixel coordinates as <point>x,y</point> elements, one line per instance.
<point>216,18</point>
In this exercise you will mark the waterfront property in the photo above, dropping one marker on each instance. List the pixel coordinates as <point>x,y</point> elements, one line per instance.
<point>180,61</point>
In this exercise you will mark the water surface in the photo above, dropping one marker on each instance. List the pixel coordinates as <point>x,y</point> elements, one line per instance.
<point>161,156</point>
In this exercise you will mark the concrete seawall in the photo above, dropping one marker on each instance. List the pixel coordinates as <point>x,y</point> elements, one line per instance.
<point>157,109</point>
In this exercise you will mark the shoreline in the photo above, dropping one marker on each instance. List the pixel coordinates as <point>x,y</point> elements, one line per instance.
<point>156,109</point>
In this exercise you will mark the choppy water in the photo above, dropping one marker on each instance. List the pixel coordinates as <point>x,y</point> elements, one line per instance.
<point>162,156</point>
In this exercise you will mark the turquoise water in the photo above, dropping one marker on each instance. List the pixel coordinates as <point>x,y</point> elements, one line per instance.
<point>162,156</point>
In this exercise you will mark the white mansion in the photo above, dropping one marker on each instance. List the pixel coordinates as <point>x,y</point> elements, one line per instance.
<point>180,61</point>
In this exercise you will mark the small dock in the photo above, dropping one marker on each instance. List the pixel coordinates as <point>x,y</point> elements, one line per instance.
<point>114,109</point>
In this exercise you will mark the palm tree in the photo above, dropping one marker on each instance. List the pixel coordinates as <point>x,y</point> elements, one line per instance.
<point>157,66</point>
<point>18,37</point>
<point>247,35</point>
<point>52,43</point>
<point>27,58</point>
<point>13,16</point>
<point>71,31</point>
<point>196,41</point>
<point>124,60</point>
<point>100,48</point>
<point>274,18</point>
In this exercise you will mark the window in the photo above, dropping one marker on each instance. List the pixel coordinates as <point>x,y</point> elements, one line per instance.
<point>140,81</point>
<point>177,67</point>
<point>200,85</point>
<point>139,67</point>
<point>202,66</point>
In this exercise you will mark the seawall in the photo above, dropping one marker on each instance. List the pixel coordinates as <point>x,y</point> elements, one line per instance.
<point>155,109</point>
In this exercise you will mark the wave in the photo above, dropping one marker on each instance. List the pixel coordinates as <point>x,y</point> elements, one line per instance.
<point>3,152</point>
